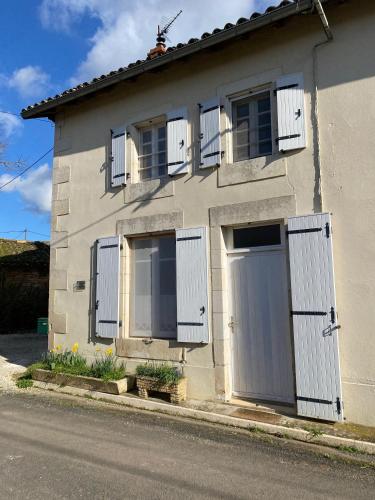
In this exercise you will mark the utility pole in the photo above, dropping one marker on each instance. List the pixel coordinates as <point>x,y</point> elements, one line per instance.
<point>25,231</point>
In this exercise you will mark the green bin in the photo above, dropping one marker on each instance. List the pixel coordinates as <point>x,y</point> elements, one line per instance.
<point>42,327</point>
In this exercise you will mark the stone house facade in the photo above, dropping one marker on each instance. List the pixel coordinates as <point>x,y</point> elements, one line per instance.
<point>211,208</point>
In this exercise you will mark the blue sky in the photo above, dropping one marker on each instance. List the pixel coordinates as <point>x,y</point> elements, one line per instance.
<point>47,46</point>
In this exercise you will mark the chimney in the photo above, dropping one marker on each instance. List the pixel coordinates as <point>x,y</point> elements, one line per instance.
<point>160,48</point>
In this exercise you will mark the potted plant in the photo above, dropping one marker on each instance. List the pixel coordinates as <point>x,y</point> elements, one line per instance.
<point>161,378</point>
<point>69,367</point>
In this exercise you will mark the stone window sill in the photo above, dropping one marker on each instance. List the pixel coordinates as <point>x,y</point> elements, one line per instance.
<point>148,190</point>
<point>255,169</point>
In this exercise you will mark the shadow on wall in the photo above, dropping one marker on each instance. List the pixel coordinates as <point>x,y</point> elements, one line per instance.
<point>24,275</point>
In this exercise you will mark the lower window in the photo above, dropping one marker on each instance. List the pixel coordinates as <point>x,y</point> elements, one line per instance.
<point>153,288</point>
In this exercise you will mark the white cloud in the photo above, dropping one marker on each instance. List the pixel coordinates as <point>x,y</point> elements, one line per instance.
<point>35,188</point>
<point>9,125</point>
<point>127,27</point>
<point>29,81</point>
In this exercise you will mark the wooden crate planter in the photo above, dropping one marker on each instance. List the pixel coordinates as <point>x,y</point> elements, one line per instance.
<point>88,383</point>
<point>177,390</point>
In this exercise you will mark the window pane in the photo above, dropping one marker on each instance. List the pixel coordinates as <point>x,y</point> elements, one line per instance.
<point>146,149</point>
<point>141,278</point>
<point>242,110</point>
<point>146,136</point>
<point>241,153</point>
<point>146,162</point>
<point>161,133</point>
<point>162,170</point>
<point>264,133</point>
<point>161,145</point>
<point>264,104</point>
<point>256,236</point>
<point>145,174</point>
<point>167,286</point>
<point>264,119</point>
<point>265,148</point>
<point>161,158</point>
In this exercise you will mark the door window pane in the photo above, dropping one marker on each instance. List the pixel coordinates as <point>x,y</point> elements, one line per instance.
<point>257,236</point>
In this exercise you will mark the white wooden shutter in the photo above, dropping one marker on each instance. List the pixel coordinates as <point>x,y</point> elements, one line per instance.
<point>177,141</point>
<point>192,285</point>
<point>210,140</point>
<point>315,329</point>
<point>118,157</point>
<point>291,112</point>
<point>107,287</point>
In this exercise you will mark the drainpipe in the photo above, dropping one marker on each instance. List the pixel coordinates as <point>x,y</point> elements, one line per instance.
<point>318,202</point>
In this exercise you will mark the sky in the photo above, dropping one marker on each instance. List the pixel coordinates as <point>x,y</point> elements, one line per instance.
<point>47,46</point>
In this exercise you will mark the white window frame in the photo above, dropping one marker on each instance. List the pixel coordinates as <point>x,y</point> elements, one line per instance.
<point>248,93</point>
<point>153,125</point>
<point>155,320</point>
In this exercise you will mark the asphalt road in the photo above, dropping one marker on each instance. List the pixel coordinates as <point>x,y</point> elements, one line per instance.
<point>54,447</point>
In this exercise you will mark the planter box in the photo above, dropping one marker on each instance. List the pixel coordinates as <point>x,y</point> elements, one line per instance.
<point>88,383</point>
<point>177,391</point>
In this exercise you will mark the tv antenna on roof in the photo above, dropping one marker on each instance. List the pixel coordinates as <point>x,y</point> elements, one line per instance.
<point>162,32</point>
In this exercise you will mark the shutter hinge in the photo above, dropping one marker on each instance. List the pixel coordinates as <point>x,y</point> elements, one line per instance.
<point>333,315</point>
<point>339,406</point>
<point>97,305</point>
<point>328,230</point>
<point>284,137</point>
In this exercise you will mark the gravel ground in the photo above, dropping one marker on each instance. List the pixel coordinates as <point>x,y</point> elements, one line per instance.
<point>16,353</point>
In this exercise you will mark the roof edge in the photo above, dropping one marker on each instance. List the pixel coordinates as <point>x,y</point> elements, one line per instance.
<point>47,107</point>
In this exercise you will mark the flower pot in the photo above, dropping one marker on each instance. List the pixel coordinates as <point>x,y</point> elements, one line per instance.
<point>176,390</point>
<point>89,383</point>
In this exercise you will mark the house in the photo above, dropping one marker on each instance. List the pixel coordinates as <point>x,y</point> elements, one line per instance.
<point>24,272</point>
<point>214,207</point>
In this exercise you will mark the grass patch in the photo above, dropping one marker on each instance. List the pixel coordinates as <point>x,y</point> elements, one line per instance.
<point>348,449</point>
<point>166,374</point>
<point>314,432</point>
<point>24,383</point>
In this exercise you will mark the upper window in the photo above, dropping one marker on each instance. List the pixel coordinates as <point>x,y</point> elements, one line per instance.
<point>153,290</point>
<point>152,157</point>
<point>252,127</point>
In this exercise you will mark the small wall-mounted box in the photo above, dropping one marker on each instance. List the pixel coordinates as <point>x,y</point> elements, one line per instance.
<point>79,285</point>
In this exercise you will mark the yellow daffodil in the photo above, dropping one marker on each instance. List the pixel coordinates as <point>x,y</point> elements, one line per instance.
<point>98,349</point>
<point>58,347</point>
<point>75,347</point>
<point>109,351</point>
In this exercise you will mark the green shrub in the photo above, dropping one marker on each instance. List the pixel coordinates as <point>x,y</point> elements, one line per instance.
<point>164,373</point>
<point>24,383</point>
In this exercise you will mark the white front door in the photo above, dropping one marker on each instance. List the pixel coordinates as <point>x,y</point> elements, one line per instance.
<point>260,322</point>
